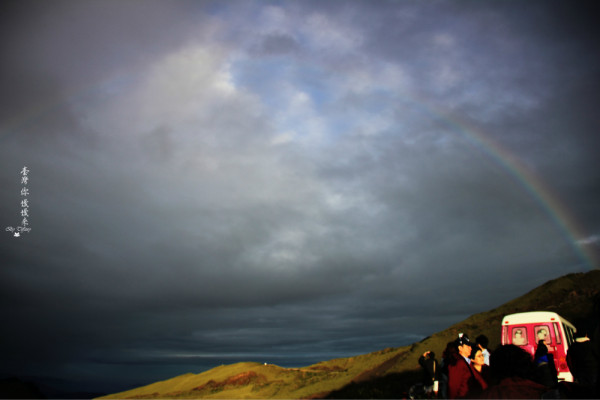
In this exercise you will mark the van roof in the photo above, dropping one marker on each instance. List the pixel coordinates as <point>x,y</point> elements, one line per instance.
<point>534,316</point>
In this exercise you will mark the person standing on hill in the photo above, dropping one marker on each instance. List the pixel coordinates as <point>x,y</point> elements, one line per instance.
<point>480,367</point>
<point>450,353</point>
<point>545,370</point>
<point>582,363</point>
<point>430,372</point>
<point>596,342</point>
<point>512,369</point>
<point>462,381</point>
<point>482,341</point>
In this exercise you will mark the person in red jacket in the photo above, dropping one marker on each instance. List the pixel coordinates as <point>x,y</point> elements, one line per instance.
<point>480,367</point>
<point>462,381</point>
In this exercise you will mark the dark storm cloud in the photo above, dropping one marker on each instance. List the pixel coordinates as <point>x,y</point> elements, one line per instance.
<point>217,182</point>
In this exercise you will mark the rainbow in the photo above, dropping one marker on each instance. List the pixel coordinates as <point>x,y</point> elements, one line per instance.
<point>548,201</point>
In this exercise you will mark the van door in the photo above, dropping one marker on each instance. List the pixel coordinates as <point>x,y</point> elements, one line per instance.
<point>560,356</point>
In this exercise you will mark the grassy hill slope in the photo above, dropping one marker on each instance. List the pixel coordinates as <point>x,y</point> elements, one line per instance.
<point>254,380</point>
<point>383,374</point>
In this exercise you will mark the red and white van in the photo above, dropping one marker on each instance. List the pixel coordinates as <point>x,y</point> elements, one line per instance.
<point>526,329</point>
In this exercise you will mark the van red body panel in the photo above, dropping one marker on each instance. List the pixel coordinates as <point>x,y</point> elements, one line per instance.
<point>527,329</point>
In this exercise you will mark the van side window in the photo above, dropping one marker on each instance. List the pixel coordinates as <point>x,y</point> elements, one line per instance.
<point>519,336</point>
<point>570,334</point>
<point>542,333</point>
<point>557,333</point>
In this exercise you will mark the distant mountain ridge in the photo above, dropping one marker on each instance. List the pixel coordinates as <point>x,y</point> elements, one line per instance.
<point>382,374</point>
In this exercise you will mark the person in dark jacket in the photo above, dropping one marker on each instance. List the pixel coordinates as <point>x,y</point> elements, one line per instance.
<point>545,370</point>
<point>431,371</point>
<point>582,364</point>
<point>596,341</point>
<point>512,369</point>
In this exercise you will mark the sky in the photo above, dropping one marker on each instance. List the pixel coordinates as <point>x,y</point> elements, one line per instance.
<point>283,181</point>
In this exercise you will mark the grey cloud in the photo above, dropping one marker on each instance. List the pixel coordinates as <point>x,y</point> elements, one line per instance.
<point>175,223</point>
<point>278,43</point>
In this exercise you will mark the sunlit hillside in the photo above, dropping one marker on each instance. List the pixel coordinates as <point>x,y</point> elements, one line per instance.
<point>383,374</point>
